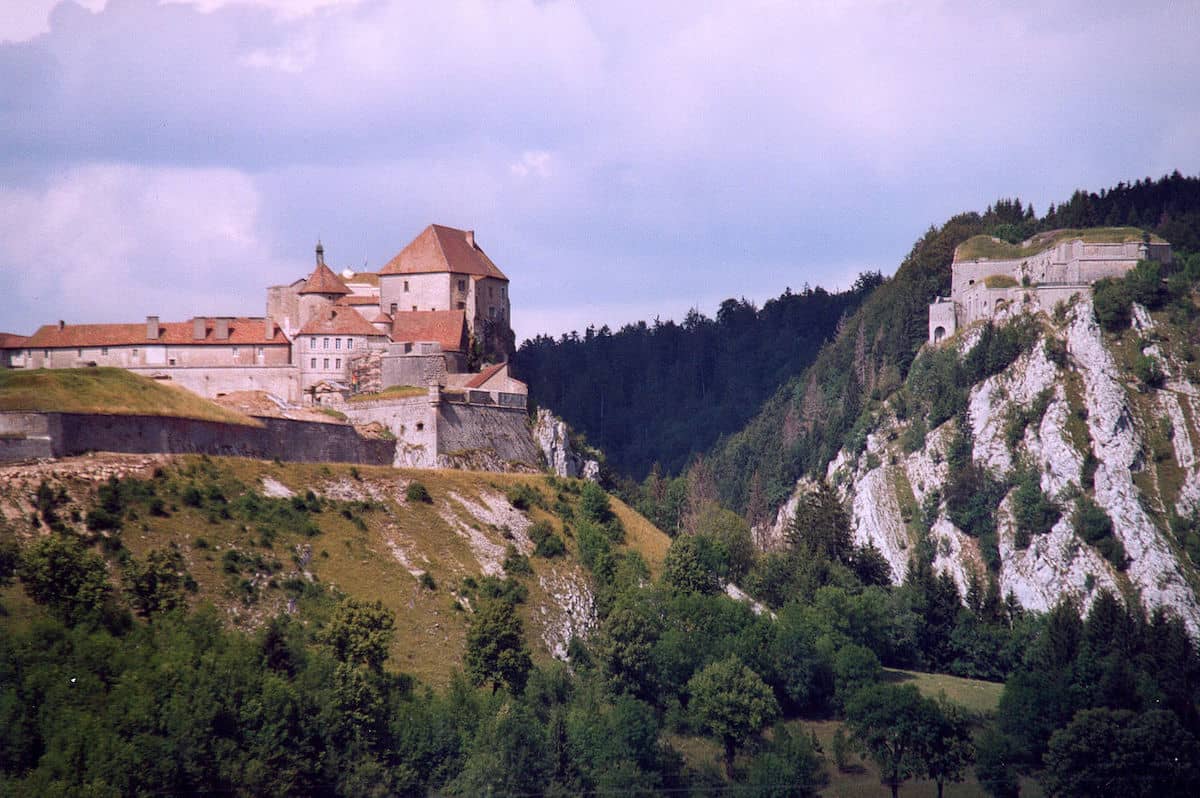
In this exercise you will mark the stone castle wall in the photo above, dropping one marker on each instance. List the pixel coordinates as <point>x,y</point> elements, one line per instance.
<point>69,434</point>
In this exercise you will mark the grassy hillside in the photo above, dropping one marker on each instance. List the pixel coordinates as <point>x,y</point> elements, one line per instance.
<point>106,390</point>
<point>254,550</point>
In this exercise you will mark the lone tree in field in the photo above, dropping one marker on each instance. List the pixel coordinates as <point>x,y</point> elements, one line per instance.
<point>894,726</point>
<point>732,703</point>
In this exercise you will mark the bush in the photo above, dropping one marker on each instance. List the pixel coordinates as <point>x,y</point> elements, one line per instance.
<point>1112,304</point>
<point>426,580</point>
<point>1033,512</point>
<point>1094,526</point>
<point>1148,372</point>
<point>417,492</point>
<point>516,563</point>
<point>546,543</point>
<point>523,497</point>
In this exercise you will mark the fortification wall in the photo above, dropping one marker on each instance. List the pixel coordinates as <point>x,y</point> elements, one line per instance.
<point>68,434</point>
<point>283,381</point>
<point>466,427</point>
<point>413,421</point>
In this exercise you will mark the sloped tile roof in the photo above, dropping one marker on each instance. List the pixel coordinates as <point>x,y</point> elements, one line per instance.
<point>358,299</point>
<point>340,321</point>
<point>242,332</point>
<point>446,327</point>
<point>324,281</point>
<point>12,340</point>
<point>480,379</point>
<point>443,249</point>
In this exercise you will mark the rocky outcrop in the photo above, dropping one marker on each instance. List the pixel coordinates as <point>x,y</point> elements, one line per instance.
<point>1113,422</point>
<point>553,438</point>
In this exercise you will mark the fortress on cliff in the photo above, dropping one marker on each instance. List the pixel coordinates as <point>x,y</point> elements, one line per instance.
<point>988,274</point>
<point>433,325</point>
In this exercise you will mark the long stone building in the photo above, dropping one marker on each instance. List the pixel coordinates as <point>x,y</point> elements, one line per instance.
<point>434,311</point>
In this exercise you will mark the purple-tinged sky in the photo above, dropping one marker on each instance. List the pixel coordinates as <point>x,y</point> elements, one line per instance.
<point>619,160</point>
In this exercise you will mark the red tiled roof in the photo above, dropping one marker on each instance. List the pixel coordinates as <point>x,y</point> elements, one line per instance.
<point>365,278</point>
<point>242,332</point>
<point>339,321</point>
<point>443,249</point>
<point>324,281</point>
<point>482,377</point>
<point>12,340</point>
<point>358,299</point>
<point>382,318</point>
<point>446,327</point>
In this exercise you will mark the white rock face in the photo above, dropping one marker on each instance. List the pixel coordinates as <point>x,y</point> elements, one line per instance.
<point>551,435</point>
<point>1058,563</point>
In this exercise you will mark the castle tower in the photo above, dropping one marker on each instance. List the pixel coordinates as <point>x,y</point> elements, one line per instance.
<point>321,289</point>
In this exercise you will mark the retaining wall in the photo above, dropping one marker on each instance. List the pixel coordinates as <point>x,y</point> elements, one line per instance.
<point>30,435</point>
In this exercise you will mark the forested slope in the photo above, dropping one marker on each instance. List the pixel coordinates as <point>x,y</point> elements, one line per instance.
<point>804,424</point>
<point>662,392</point>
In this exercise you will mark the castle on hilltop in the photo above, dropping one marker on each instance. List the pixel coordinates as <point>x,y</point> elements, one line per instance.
<point>989,275</point>
<point>429,318</point>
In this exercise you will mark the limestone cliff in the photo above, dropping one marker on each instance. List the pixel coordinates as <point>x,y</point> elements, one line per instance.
<point>553,438</point>
<point>1069,408</point>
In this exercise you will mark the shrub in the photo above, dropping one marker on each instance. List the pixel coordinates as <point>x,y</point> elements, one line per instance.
<point>417,492</point>
<point>523,497</point>
<point>1148,372</point>
<point>1094,526</point>
<point>516,563</point>
<point>546,543</point>
<point>426,580</point>
<point>1112,304</point>
<point>1033,512</point>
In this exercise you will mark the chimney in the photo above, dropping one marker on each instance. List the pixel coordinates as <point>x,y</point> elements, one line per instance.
<point>269,332</point>
<point>471,239</point>
<point>221,328</point>
<point>199,328</point>
<point>320,253</point>
<point>152,328</point>
<point>61,324</point>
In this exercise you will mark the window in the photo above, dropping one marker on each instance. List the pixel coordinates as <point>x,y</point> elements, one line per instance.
<point>414,307</point>
<point>491,313</point>
<point>337,343</point>
<point>324,343</point>
<point>135,353</point>
<point>78,353</point>
<point>235,351</point>
<point>312,363</point>
<point>261,351</point>
<point>406,286</point>
<point>338,363</point>
<point>491,291</point>
<point>420,426</point>
<point>46,352</point>
<point>104,350</point>
<point>349,343</point>
<point>171,361</point>
<point>460,305</point>
<point>503,289</point>
<point>395,307</point>
<point>312,342</point>
<point>326,365</point>
<point>462,285</point>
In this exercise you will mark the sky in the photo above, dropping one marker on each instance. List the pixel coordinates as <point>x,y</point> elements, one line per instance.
<point>619,160</point>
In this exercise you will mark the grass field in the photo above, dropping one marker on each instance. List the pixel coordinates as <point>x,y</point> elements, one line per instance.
<point>109,391</point>
<point>979,697</point>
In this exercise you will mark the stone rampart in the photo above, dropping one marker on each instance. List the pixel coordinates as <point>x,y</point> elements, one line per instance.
<point>466,427</point>
<point>211,381</point>
<point>69,434</point>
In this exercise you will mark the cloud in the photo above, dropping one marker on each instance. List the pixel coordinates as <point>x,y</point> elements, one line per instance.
<point>117,243</point>
<point>601,151</point>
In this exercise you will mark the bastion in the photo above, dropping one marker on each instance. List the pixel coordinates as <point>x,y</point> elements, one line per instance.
<point>988,275</point>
